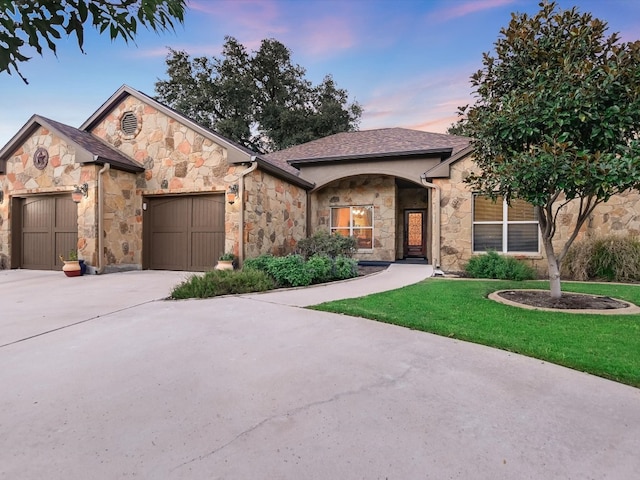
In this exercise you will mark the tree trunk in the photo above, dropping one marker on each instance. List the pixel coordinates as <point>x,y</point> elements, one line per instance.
<point>554,269</point>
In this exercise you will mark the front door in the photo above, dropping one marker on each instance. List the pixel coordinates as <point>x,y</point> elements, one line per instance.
<point>415,244</point>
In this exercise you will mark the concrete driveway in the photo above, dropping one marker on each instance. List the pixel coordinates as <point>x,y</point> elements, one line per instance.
<point>100,380</point>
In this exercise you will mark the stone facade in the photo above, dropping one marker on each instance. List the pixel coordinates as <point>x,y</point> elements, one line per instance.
<point>620,215</point>
<point>275,215</point>
<point>122,222</point>
<point>22,179</point>
<point>377,190</point>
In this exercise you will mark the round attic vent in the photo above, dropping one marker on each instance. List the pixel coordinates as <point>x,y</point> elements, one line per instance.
<point>129,123</point>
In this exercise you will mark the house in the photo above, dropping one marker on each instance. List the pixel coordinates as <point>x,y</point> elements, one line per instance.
<point>138,185</point>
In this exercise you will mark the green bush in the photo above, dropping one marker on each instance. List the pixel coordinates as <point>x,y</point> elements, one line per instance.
<point>613,258</point>
<point>320,268</point>
<point>322,243</point>
<point>493,265</point>
<point>344,267</point>
<point>223,282</point>
<point>294,271</point>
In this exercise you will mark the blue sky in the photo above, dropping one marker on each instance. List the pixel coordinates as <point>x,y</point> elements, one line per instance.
<point>407,62</point>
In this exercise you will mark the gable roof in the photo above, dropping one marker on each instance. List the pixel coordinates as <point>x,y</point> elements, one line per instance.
<point>89,148</point>
<point>367,144</point>
<point>236,153</point>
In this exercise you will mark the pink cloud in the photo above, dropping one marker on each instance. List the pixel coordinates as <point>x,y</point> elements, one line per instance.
<point>457,10</point>
<point>326,35</point>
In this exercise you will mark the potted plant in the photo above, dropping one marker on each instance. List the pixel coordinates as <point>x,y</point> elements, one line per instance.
<point>71,267</point>
<point>226,261</point>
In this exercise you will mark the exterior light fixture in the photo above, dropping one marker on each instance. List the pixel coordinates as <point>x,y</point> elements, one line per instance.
<point>232,193</point>
<point>79,192</point>
<point>1,196</point>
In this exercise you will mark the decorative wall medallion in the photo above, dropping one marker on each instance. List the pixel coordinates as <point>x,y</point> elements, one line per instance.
<point>41,158</point>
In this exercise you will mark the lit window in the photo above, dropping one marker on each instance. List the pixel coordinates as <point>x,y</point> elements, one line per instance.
<point>504,228</point>
<point>354,222</point>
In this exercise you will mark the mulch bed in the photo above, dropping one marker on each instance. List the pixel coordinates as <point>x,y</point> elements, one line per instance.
<point>542,299</point>
<point>369,269</point>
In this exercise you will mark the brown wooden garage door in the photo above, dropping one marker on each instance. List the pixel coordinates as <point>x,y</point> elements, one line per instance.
<point>184,232</point>
<point>46,227</point>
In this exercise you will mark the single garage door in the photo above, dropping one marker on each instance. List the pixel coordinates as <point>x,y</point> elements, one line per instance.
<point>47,227</point>
<point>184,232</point>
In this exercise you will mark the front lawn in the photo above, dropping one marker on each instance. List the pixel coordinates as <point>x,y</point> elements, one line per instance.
<point>604,345</point>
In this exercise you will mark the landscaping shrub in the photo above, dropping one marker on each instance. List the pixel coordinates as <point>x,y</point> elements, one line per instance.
<point>320,268</point>
<point>223,282</point>
<point>322,243</point>
<point>345,267</point>
<point>612,257</point>
<point>493,265</point>
<point>294,271</point>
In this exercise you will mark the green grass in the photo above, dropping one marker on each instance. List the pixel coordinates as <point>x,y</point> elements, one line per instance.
<point>603,345</point>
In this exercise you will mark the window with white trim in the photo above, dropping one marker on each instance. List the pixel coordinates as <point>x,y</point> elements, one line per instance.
<point>354,221</point>
<point>504,228</point>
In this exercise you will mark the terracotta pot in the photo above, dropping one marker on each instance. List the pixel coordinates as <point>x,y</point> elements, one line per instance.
<point>71,268</point>
<point>224,265</point>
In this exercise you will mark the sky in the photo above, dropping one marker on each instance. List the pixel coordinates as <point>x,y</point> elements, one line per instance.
<point>406,62</point>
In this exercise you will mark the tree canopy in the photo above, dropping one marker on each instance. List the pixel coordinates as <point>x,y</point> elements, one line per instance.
<point>556,118</point>
<point>39,24</point>
<point>260,100</point>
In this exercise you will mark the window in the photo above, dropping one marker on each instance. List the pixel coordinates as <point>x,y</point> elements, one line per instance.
<point>354,222</point>
<point>503,228</point>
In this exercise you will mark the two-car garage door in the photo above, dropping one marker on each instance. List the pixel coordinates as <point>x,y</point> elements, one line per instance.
<point>184,232</point>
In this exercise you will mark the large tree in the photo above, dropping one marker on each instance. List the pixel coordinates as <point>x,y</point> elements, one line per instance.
<point>260,100</point>
<point>38,24</point>
<point>556,119</point>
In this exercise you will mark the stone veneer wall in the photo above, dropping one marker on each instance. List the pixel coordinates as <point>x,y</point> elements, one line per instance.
<point>455,217</point>
<point>176,160</point>
<point>409,198</point>
<point>60,175</point>
<point>620,215</point>
<point>122,221</point>
<point>376,190</point>
<point>275,213</point>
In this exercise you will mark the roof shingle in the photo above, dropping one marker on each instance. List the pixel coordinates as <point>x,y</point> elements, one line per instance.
<point>371,143</point>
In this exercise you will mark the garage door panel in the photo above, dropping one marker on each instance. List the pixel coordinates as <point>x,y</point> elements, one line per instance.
<point>36,214</point>
<point>208,214</point>
<point>170,215</point>
<point>37,250</point>
<point>205,250</point>
<point>49,228</point>
<point>185,232</point>
<point>168,252</point>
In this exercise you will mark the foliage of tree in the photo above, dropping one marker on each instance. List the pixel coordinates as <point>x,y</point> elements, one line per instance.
<point>39,24</point>
<point>557,119</point>
<point>260,100</point>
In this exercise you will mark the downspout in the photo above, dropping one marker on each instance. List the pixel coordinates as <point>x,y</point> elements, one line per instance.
<point>254,165</point>
<point>100,232</point>
<point>435,241</point>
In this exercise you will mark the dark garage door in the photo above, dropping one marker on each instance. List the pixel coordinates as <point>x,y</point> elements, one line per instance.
<point>47,227</point>
<point>184,232</point>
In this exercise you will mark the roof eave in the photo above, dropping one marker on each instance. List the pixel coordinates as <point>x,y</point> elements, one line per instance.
<point>370,156</point>
<point>443,169</point>
<point>290,177</point>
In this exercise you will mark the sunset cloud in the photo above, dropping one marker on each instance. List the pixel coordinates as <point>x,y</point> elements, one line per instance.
<point>462,9</point>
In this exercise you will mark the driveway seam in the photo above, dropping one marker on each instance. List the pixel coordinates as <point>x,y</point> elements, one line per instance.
<point>76,323</point>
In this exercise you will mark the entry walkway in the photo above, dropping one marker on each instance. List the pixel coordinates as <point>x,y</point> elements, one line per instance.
<point>395,276</point>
